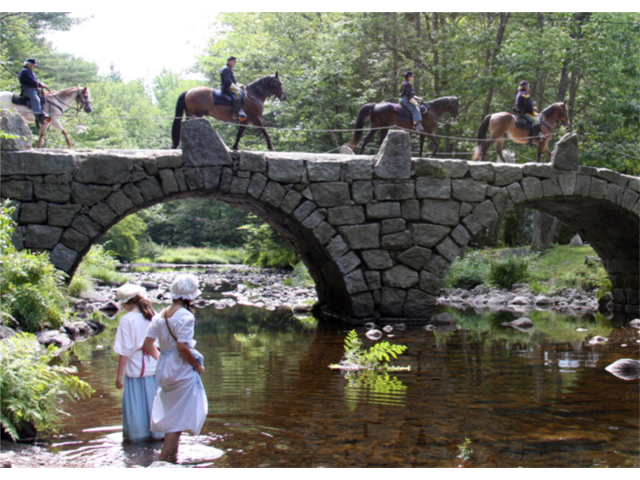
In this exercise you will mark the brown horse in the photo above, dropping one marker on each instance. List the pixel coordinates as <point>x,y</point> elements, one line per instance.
<point>503,123</point>
<point>198,102</point>
<point>385,115</point>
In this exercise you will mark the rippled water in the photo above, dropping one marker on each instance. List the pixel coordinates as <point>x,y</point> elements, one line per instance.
<point>538,399</point>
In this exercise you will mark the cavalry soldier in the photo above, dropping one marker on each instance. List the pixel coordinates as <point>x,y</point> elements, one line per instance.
<point>525,108</point>
<point>231,88</point>
<point>29,84</point>
<point>409,101</point>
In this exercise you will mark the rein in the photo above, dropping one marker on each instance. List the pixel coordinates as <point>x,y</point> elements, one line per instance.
<point>78,107</point>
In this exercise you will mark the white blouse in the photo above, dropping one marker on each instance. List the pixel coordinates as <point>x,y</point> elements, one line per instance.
<point>182,325</point>
<point>130,336</point>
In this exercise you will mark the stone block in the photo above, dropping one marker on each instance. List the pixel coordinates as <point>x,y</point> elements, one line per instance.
<point>52,192</point>
<point>393,226</point>
<point>331,194</point>
<point>253,162</point>
<point>361,236</point>
<point>613,177</point>
<point>433,187</point>
<point>202,146</point>
<point>506,174</point>
<point>239,186</point>
<point>63,258</point>
<point>346,215</point>
<point>180,180</point>
<point>532,188</point>
<point>448,249</point>
<point>118,202</point>
<point>61,215</point>
<point>211,177</point>
<point>323,171</point>
<point>313,220</point>
<point>273,194</point>
<point>468,190</point>
<point>105,168</point>
<point>355,282</point>
<point>400,276</point>
<point>415,257</point>
<point>566,155</point>
<point>472,224</point>
<point>392,302</point>
<point>193,179</point>
<point>597,188</point>
<point>614,193</point>
<point>133,193</point>
<point>362,192</point>
<point>373,279</point>
<point>394,191</point>
<point>377,259</point>
<point>225,179</point>
<point>304,210</point>
<point>419,304</point>
<point>33,213</point>
<point>482,171</point>
<point>337,247</point>
<point>37,163</point>
<point>150,166</point>
<point>393,161</point>
<point>102,214</point>
<point>83,194</point>
<point>633,183</point>
<point>460,235</point>
<point>42,236</point>
<point>437,265</point>
<point>74,240</point>
<point>257,184</point>
<point>382,210</point>
<point>291,200</point>
<point>427,235</point>
<point>362,305</point>
<point>285,170</point>
<point>348,262</point>
<point>168,159</point>
<point>430,282</point>
<point>441,212</point>
<point>411,210</point>
<point>397,241</point>
<point>567,182</point>
<point>465,209</point>
<point>516,193</point>
<point>540,170</point>
<point>323,233</point>
<point>485,213</point>
<point>501,201</point>
<point>18,190</point>
<point>84,224</point>
<point>358,169</point>
<point>629,199</point>
<point>426,167</point>
<point>150,189</point>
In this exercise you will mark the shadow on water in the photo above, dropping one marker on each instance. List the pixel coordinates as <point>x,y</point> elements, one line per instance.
<point>536,398</point>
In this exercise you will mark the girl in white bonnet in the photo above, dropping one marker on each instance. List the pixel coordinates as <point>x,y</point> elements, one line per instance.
<point>181,402</point>
<point>136,365</point>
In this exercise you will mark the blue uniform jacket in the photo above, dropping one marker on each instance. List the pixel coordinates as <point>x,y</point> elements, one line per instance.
<point>226,77</point>
<point>407,90</point>
<point>524,104</point>
<point>28,79</point>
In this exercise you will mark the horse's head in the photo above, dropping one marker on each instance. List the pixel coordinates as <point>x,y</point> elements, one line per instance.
<point>563,115</point>
<point>83,99</point>
<point>455,108</point>
<point>276,88</point>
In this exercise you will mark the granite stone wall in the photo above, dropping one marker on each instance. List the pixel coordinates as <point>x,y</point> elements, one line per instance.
<point>378,233</point>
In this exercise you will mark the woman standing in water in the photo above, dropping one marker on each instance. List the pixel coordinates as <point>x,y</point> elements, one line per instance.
<point>136,365</point>
<point>181,402</point>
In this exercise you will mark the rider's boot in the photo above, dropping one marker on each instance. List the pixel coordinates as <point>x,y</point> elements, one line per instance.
<point>238,113</point>
<point>419,127</point>
<point>540,135</point>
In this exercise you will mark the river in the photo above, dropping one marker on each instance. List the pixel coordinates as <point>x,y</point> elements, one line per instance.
<point>536,399</point>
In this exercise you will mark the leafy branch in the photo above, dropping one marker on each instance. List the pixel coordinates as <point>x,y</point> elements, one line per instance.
<point>376,357</point>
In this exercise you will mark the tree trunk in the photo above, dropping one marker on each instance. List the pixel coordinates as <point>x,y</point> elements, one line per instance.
<point>545,230</point>
<point>491,56</point>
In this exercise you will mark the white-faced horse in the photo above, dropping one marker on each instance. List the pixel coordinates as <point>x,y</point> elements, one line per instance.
<point>55,105</point>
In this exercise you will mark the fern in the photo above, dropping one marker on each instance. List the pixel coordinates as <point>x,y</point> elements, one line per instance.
<point>375,358</point>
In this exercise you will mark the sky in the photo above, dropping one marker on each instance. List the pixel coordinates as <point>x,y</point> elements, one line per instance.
<point>138,45</point>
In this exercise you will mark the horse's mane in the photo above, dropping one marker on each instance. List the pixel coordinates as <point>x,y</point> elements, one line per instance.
<point>66,90</point>
<point>550,110</point>
<point>259,87</point>
<point>438,102</point>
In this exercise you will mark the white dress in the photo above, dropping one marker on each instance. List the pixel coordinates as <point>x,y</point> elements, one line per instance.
<point>181,402</point>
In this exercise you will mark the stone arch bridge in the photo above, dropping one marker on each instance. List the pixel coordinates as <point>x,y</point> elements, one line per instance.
<point>378,233</point>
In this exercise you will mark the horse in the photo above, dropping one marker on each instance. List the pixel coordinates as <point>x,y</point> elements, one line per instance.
<point>502,123</point>
<point>199,102</point>
<point>55,105</point>
<point>386,114</point>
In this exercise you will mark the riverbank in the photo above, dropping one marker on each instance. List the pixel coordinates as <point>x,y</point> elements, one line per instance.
<point>20,455</point>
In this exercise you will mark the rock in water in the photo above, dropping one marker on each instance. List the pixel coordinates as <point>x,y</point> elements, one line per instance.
<point>597,340</point>
<point>635,323</point>
<point>522,323</point>
<point>387,328</point>
<point>625,368</point>
<point>443,319</point>
<point>374,334</point>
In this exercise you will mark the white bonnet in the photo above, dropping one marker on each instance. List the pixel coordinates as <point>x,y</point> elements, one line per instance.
<point>127,291</point>
<point>185,286</point>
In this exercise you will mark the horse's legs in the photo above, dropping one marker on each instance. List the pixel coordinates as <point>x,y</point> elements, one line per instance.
<point>383,135</point>
<point>542,147</point>
<point>367,139</point>
<point>421,145</point>
<point>241,130</point>
<point>258,123</point>
<point>486,147</point>
<point>499,145</point>
<point>43,129</point>
<point>434,140</point>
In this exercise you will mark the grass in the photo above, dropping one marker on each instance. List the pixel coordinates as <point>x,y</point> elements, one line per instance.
<point>193,255</point>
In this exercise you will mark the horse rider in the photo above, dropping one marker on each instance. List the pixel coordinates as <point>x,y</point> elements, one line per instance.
<point>525,108</point>
<point>231,88</point>
<point>409,101</point>
<point>29,84</point>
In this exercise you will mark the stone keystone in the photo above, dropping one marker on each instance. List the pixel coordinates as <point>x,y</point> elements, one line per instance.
<point>202,146</point>
<point>393,161</point>
<point>566,155</point>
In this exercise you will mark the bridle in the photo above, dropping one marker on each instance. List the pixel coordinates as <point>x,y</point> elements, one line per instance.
<point>84,102</point>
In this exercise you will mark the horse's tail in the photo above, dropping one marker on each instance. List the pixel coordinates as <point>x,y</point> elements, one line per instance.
<point>175,129</point>
<point>362,116</point>
<point>482,134</point>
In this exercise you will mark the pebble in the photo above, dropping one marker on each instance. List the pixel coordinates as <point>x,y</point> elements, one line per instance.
<point>387,328</point>
<point>597,340</point>
<point>374,334</point>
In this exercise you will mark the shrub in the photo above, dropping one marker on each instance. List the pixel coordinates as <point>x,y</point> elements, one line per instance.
<point>467,272</point>
<point>31,387</point>
<point>504,272</point>
<point>122,238</point>
<point>266,248</point>
<point>98,264</point>
<point>586,278</point>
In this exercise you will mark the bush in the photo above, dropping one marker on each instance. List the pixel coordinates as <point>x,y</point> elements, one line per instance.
<point>504,272</point>
<point>467,272</point>
<point>97,264</point>
<point>31,387</point>
<point>122,238</point>
<point>266,248</point>
<point>586,278</point>
<point>31,289</point>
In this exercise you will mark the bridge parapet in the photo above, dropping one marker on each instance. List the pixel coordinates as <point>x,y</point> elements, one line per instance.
<point>378,233</point>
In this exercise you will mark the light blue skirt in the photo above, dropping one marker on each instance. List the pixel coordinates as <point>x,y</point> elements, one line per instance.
<point>137,403</point>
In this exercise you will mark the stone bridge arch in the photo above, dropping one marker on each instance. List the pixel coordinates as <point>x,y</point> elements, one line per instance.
<point>378,234</point>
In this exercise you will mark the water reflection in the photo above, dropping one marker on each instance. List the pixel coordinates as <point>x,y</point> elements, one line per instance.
<point>537,398</point>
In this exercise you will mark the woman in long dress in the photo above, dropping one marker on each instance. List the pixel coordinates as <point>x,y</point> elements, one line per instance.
<point>181,402</point>
<point>137,366</point>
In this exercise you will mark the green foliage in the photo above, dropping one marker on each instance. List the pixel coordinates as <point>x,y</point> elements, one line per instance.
<point>464,449</point>
<point>122,238</point>
<point>32,388</point>
<point>375,357</point>
<point>504,272</point>
<point>31,289</point>
<point>194,255</point>
<point>301,276</point>
<point>467,272</point>
<point>587,278</point>
<point>265,248</point>
<point>97,264</point>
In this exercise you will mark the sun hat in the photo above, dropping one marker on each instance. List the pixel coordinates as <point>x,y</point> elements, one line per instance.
<point>127,291</point>
<point>185,286</point>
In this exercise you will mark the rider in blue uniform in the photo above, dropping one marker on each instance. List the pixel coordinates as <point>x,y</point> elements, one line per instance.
<point>406,95</point>
<point>231,88</point>
<point>29,84</point>
<point>525,108</point>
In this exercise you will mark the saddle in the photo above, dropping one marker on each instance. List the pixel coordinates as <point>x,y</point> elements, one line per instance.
<point>405,115</point>
<point>220,98</point>
<point>24,101</point>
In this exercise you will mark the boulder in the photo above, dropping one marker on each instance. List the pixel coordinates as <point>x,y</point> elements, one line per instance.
<point>14,124</point>
<point>49,337</point>
<point>625,368</point>
<point>522,323</point>
<point>393,161</point>
<point>576,241</point>
<point>566,155</point>
<point>443,319</point>
<point>6,332</point>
